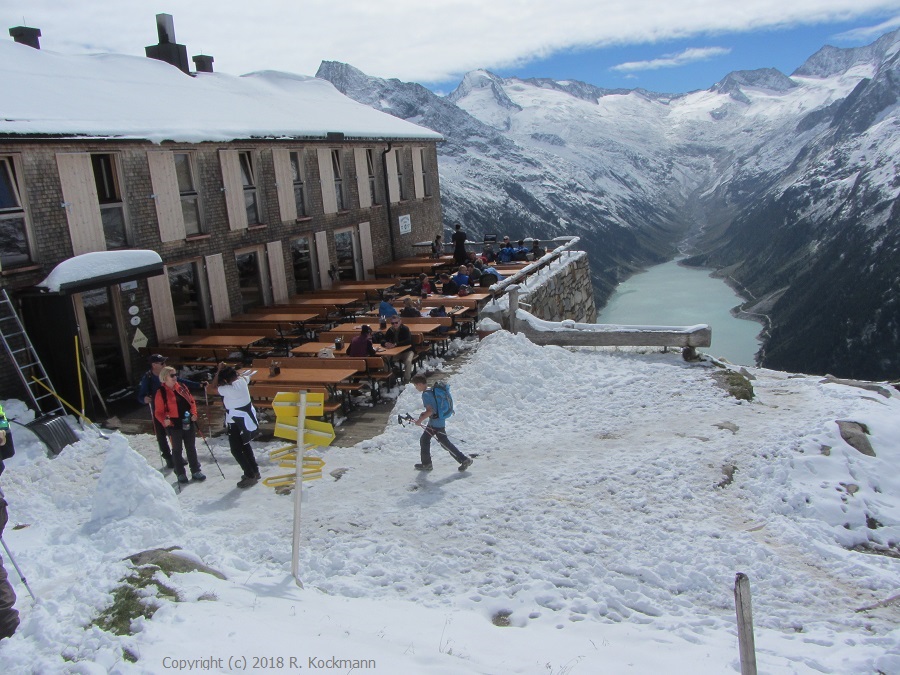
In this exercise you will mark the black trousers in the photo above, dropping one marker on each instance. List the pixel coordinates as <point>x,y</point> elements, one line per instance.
<point>9,617</point>
<point>440,434</point>
<point>239,442</point>
<point>183,440</point>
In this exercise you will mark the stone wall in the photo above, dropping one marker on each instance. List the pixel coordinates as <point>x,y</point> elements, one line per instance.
<point>560,291</point>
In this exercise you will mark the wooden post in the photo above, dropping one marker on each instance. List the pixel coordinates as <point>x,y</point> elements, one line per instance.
<point>513,294</point>
<point>745,623</point>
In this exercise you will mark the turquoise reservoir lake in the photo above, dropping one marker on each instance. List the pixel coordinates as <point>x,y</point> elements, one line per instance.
<point>672,295</point>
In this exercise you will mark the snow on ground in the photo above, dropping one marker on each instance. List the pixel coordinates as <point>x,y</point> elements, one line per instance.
<point>591,517</point>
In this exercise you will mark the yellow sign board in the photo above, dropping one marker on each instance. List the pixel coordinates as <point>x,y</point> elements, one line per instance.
<point>314,432</point>
<point>285,404</point>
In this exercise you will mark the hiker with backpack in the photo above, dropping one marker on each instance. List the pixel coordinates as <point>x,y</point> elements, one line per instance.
<point>146,394</point>
<point>176,411</point>
<point>438,407</point>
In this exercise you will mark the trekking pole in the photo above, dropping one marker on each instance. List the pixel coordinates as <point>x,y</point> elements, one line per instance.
<point>428,430</point>
<point>154,423</point>
<point>15,564</point>
<point>208,447</point>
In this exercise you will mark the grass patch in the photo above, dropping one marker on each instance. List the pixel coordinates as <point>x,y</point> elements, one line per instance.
<point>131,600</point>
<point>735,384</point>
<point>501,618</point>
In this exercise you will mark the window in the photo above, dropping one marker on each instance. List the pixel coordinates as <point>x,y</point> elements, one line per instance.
<point>112,209</point>
<point>13,235</point>
<point>403,194</point>
<point>338,179</point>
<point>190,200</point>
<point>426,180</point>
<point>250,280</point>
<point>370,165</point>
<point>299,186</point>
<point>250,198</point>
<point>304,264</point>
<point>187,297</point>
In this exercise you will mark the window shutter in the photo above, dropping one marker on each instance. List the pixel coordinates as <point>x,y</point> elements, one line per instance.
<point>418,181</point>
<point>393,179</point>
<point>234,189</point>
<point>166,195</point>
<point>276,272</point>
<point>82,205</point>
<point>163,311</point>
<point>218,287</point>
<point>284,185</point>
<point>323,258</point>
<point>365,245</point>
<point>326,179</point>
<point>362,178</point>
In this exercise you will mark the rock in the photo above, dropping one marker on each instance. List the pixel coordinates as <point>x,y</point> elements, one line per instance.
<point>169,561</point>
<point>855,434</point>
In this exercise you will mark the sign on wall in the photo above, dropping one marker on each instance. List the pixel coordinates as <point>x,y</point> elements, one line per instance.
<point>405,224</point>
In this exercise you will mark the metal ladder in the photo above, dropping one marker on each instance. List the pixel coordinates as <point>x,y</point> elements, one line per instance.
<point>23,355</point>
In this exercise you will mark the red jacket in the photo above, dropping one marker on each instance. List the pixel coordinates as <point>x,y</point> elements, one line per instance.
<point>166,407</point>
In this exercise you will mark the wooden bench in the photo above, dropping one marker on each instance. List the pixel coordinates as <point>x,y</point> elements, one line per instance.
<point>203,357</point>
<point>262,396</point>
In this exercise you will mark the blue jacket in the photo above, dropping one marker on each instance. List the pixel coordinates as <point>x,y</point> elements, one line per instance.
<point>386,309</point>
<point>461,279</point>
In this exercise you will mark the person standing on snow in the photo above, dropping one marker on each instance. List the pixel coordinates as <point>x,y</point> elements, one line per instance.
<point>9,616</point>
<point>146,394</point>
<point>460,256</point>
<point>435,427</point>
<point>176,411</point>
<point>240,419</point>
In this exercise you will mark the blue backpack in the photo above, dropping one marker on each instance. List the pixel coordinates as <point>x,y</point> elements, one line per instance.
<point>443,400</point>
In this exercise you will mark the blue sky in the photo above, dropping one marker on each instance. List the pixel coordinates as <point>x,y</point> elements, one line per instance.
<point>435,42</point>
<point>785,49</point>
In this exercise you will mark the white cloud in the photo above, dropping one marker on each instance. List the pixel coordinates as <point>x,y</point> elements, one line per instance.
<point>674,60</point>
<point>869,32</point>
<point>428,41</point>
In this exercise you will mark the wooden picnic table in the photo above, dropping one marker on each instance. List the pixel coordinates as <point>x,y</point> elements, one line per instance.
<point>414,327</point>
<point>325,300</point>
<point>313,348</point>
<point>241,342</point>
<point>298,377</point>
<point>411,267</point>
<point>275,317</point>
<point>378,287</point>
<point>471,301</point>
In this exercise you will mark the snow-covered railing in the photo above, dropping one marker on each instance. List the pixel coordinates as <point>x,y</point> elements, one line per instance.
<point>574,334</point>
<point>498,289</point>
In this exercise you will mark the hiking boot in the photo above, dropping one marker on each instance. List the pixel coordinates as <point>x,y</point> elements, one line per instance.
<point>182,478</point>
<point>465,464</point>
<point>198,476</point>
<point>247,481</point>
<point>424,467</point>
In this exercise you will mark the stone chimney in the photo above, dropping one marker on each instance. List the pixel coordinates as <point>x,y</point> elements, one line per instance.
<point>203,63</point>
<point>168,50</point>
<point>26,36</point>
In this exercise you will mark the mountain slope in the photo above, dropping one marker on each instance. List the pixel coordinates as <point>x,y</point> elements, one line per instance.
<point>774,180</point>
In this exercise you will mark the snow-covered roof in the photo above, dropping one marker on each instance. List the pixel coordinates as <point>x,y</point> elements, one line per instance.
<point>114,95</point>
<point>101,268</point>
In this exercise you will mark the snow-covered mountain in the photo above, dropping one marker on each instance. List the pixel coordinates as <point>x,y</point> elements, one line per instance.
<point>788,185</point>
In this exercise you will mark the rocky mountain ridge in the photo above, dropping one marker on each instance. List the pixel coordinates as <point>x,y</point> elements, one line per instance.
<point>786,185</point>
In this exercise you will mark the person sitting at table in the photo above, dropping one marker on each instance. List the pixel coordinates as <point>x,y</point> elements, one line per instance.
<point>462,276</point>
<point>448,286</point>
<point>399,335</point>
<point>505,255</point>
<point>362,345</point>
<point>490,269</point>
<point>487,253</point>
<point>474,272</point>
<point>386,309</point>
<point>536,250</point>
<point>409,308</point>
<point>437,247</point>
<point>520,252</point>
<point>423,285</point>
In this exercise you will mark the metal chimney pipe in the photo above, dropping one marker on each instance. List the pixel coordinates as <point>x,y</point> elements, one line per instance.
<point>203,63</point>
<point>26,36</point>
<point>165,28</point>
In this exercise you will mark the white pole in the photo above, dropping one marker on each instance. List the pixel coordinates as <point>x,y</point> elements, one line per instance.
<point>298,488</point>
<point>513,294</point>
